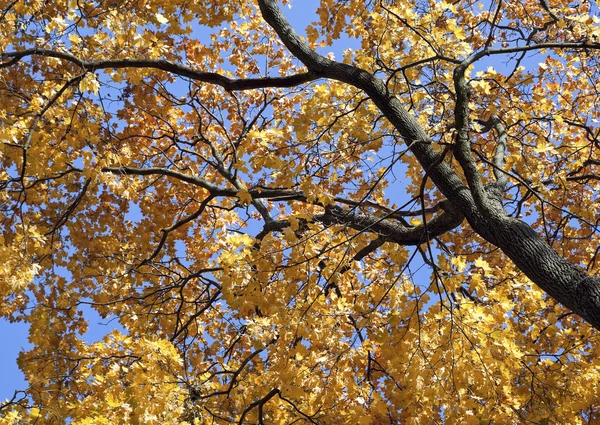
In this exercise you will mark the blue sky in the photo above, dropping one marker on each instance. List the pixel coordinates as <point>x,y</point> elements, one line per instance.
<point>14,339</point>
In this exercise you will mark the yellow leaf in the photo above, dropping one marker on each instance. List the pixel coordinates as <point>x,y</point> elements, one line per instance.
<point>459,263</point>
<point>325,199</point>
<point>161,18</point>
<point>74,38</point>
<point>89,83</point>
<point>483,264</point>
<point>245,197</point>
<point>112,402</point>
<point>34,413</point>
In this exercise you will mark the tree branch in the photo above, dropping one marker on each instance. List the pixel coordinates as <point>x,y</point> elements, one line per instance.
<point>530,47</point>
<point>164,65</point>
<point>499,152</point>
<point>259,403</point>
<point>462,151</point>
<point>196,181</point>
<point>391,231</point>
<point>542,264</point>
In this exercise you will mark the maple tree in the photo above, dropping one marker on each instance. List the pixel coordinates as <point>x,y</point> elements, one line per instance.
<point>405,234</point>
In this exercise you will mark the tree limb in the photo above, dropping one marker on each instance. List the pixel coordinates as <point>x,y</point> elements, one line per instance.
<point>498,159</point>
<point>259,403</point>
<point>540,262</point>
<point>164,65</point>
<point>392,231</point>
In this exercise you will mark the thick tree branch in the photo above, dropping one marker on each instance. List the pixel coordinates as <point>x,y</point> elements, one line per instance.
<point>462,151</point>
<point>164,65</point>
<point>542,264</point>
<point>391,230</point>
<point>387,230</point>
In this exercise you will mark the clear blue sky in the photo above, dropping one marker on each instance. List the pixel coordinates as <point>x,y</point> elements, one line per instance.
<point>14,339</point>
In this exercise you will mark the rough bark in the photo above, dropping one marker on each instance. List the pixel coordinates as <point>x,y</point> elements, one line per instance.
<point>565,282</point>
<point>392,231</point>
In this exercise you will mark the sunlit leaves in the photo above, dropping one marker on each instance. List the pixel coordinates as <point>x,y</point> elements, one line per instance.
<point>194,218</point>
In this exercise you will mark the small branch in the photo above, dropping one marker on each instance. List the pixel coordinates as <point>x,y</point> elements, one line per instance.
<point>546,7</point>
<point>259,403</point>
<point>528,48</point>
<point>269,227</point>
<point>373,246</point>
<point>166,231</point>
<point>363,252</point>
<point>48,105</point>
<point>183,328</point>
<point>490,38</point>
<point>71,208</point>
<point>39,115</point>
<point>584,177</point>
<point>234,374</point>
<point>309,418</point>
<point>214,190</point>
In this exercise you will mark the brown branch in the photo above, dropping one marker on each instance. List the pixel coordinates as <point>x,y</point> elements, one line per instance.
<point>259,403</point>
<point>584,177</point>
<point>392,231</point>
<point>183,328</point>
<point>234,374</point>
<point>273,194</point>
<point>499,153</point>
<point>528,250</point>
<point>386,230</point>
<point>196,181</point>
<point>531,47</point>
<point>71,208</point>
<point>309,418</point>
<point>462,151</point>
<point>163,65</point>
<point>166,231</point>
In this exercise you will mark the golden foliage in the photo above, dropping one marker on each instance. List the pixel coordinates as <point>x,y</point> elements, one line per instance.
<point>157,170</point>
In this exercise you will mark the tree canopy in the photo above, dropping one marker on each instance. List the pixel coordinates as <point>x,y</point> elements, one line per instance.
<point>405,231</point>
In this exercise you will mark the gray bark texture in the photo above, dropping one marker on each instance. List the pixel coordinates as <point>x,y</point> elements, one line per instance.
<point>565,282</point>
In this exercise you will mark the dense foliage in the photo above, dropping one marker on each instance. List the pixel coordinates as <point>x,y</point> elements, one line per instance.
<point>279,231</point>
